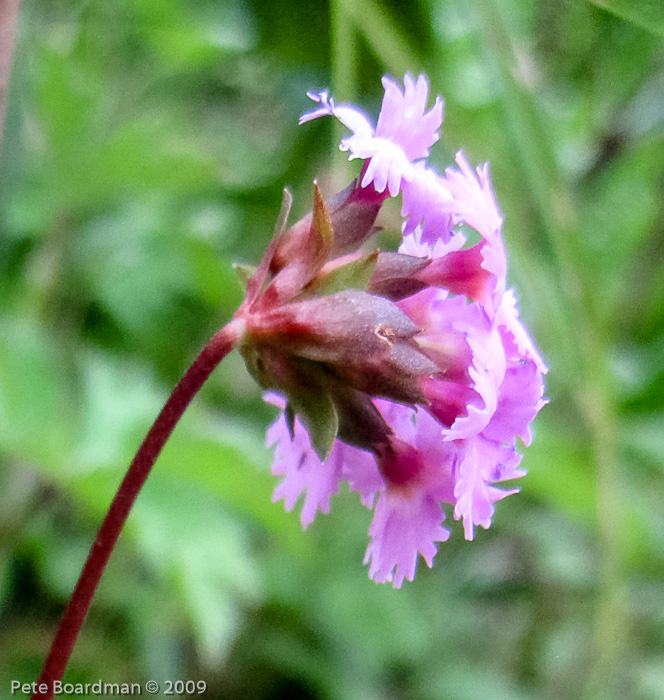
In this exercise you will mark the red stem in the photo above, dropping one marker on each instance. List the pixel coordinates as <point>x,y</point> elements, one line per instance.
<point>70,625</point>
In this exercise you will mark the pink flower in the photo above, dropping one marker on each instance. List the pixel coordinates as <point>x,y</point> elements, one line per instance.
<point>434,329</point>
<point>473,197</point>
<point>507,317</point>
<point>489,392</point>
<point>403,134</point>
<point>408,516</point>
<point>403,121</point>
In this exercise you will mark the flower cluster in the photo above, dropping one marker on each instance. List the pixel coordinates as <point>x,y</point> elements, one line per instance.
<point>407,375</point>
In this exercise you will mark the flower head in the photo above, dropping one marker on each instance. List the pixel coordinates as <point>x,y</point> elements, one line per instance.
<point>403,134</point>
<point>406,374</point>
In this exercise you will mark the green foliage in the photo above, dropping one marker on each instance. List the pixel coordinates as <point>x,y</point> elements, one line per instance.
<point>319,416</point>
<point>648,14</point>
<point>145,150</point>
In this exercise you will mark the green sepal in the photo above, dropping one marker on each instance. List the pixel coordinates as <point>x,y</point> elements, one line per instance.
<point>316,411</point>
<point>352,275</point>
<point>244,273</point>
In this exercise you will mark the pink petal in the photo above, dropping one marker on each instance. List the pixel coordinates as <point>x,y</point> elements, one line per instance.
<point>402,118</point>
<point>486,371</point>
<point>507,317</point>
<point>519,402</point>
<point>481,463</point>
<point>427,201</point>
<point>403,527</point>
<point>302,471</point>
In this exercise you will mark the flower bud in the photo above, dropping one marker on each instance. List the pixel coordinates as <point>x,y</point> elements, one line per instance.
<point>352,214</point>
<point>314,334</point>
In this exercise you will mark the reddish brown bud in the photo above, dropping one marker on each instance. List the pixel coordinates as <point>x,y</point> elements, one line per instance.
<point>313,251</point>
<point>352,215</point>
<point>395,276</point>
<point>398,276</point>
<point>360,422</point>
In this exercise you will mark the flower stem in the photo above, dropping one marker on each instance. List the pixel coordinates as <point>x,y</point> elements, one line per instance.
<point>70,625</point>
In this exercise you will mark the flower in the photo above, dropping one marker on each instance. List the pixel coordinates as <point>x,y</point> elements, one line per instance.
<point>407,375</point>
<point>403,134</point>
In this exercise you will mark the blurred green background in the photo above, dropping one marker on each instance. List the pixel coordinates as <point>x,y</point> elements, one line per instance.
<point>145,149</point>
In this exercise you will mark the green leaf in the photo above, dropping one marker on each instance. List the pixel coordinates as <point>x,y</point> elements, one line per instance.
<point>229,462</point>
<point>204,551</point>
<point>225,465</point>
<point>648,14</point>
<point>35,408</point>
<point>120,403</point>
<point>319,416</point>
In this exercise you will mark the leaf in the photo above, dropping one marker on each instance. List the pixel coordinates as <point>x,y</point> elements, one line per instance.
<point>146,271</point>
<point>648,14</point>
<point>316,411</point>
<point>120,403</point>
<point>35,410</point>
<point>205,551</point>
<point>233,468</point>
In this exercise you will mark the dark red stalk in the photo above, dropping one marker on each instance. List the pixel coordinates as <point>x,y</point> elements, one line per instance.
<point>194,378</point>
